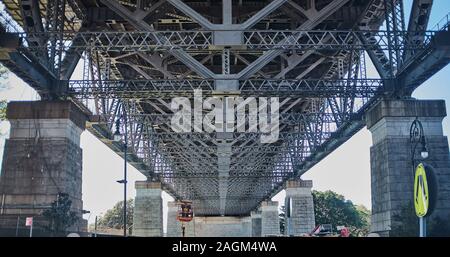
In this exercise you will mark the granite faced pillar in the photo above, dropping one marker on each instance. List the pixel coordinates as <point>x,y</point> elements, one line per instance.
<point>256,223</point>
<point>270,221</point>
<point>42,158</point>
<point>174,226</point>
<point>392,173</point>
<point>148,211</point>
<point>299,204</point>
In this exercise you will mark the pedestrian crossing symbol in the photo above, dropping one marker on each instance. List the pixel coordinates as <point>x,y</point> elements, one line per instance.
<point>421,194</point>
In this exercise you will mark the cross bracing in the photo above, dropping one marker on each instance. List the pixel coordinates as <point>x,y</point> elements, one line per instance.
<point>145,89</point>
<point>198,41</point>
<point>138,55</point>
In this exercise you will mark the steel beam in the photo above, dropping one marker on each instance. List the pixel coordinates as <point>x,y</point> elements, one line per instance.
<point>418,23</point>
<point>275,4</point>
<point>310,24</point>
<point>186,9</point>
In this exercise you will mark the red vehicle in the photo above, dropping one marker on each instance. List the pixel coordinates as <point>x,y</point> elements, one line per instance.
<point>185,213</point>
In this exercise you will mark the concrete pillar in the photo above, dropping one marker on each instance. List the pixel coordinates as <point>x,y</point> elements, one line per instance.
<point>270,221</point>
<point>391,166</point>
<point>42,158</point>
<point>256,223</point>
<point>174,225</point>
<point>148,216</point>
<point>299,207</point>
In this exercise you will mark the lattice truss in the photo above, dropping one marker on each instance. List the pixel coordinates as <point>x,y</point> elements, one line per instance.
<point>139,54</point>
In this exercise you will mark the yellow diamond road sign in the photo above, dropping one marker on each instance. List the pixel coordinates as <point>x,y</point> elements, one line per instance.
<point>421,195</point>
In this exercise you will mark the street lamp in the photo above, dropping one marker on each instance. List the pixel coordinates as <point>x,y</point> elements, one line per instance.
<point>424,152</point>
<point>416,137</point>
<point>117,135</point>
<point>117,138</point>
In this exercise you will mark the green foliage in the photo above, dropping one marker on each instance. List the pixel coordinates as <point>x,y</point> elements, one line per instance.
<point>3,105</point>
<point>59,215</point>
<point>332,208</point>
<point>3,74</point>
<point>113,218</point>
<point>365,215</point>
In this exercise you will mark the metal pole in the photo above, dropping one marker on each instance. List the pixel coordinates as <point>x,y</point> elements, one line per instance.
<point>416,136</point>
<point>125,180</point>
<point>420,227</point>
<point>31,229</point>
<point>423,227</point>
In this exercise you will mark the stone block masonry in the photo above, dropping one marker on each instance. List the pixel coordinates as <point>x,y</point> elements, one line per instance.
<point>174,225</point>
<point>42,158</point>
<point>270,221</point>
<point>148,216</point>
<point>211,226</point>
<point>300,205</point>
<point>392,174</point>
<point>256,223</point>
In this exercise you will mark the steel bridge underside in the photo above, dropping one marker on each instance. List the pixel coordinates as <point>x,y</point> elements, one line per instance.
<point>138,55</point>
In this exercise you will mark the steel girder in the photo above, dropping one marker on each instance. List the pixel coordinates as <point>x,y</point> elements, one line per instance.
<point>322,99</point>
<point>147,89</point>
<point>195,41</point>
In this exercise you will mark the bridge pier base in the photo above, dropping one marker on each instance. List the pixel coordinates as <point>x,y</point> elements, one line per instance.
<point>392,174</point>
<point>42,158</point>
<point>148,215</point>
<point>256,223</point>
<point>300,205</point>
<point>174,225</point>
<point>270,220</point>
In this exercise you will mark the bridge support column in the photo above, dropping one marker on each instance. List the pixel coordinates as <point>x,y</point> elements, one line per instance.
<point>256,223</point>
<point>247,226</point>
<point>299,204</point>
<point>174,225</point>
<point>148,216</point>
<point>392,174</point>
<point>270,221</point>
<point>42,158</point>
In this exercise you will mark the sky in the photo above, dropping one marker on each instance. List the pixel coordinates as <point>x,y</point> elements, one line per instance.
<point>345,171</point>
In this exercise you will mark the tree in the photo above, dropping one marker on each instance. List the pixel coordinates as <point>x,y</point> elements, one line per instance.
<point>365,215</point>
<point>3,74</point>
<point>113,218</point>
<point>332,208</point>
<point>59,216</point>
<point>3,105</point>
